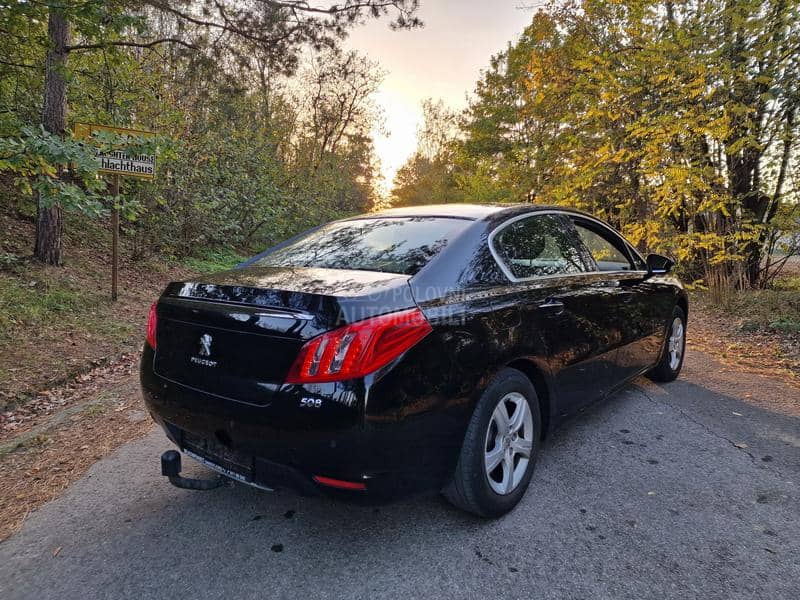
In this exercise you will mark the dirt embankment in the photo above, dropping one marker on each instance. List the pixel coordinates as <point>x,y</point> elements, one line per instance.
<point>57,323</point>
<point>68,361</point>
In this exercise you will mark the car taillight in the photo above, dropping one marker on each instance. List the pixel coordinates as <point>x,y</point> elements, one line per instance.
<point>151,326</point>
<point>358,349</point>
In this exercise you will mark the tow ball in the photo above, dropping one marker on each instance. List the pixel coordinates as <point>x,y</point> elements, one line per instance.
<point>171,468</point>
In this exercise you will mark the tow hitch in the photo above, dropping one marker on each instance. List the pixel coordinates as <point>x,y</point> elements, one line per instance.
<point>171,467</point>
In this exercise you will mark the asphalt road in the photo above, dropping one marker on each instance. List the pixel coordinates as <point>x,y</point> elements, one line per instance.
<point>672,491</point>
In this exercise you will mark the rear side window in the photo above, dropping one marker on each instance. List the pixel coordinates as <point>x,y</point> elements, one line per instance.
<point>541,245</point>
<point>391,245</point>
<point>608,252</point>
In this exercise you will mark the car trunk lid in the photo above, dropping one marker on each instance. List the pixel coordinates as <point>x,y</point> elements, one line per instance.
<point>235,334</point>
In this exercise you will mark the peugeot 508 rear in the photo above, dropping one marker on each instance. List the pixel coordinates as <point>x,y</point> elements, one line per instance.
<point>372,357</point>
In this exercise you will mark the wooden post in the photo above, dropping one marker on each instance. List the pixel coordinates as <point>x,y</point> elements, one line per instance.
<point>114,236</point>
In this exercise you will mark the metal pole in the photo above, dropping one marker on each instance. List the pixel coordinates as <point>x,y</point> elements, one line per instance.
<point>114,237</point>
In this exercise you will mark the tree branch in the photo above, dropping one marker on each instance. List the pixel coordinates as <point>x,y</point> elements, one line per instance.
<point>185,16</point>
<point>132,44</point>
<point>335,9</point>
<point>21,65</point>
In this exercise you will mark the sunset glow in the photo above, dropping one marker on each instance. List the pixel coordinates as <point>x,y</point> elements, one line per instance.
<point>443,61</point>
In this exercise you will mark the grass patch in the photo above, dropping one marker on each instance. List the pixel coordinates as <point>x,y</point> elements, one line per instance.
<point>10,262</point>
<point>110,329</point>
<point>774,309</point>
<point>27,304</point>
<point>790,284</point>
<point>95,409</point>
<point>786,326</point>
<point>210,261</point>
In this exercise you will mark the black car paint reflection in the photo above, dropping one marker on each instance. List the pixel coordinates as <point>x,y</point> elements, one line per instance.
<point>577,335</point>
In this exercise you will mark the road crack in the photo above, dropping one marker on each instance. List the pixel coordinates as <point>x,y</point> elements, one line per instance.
<point>734,444</point>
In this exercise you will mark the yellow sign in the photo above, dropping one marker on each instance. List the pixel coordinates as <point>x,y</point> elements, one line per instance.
<point>120,162</point>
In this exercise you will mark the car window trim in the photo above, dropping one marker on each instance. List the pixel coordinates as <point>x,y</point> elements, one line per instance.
<point>398,217</point>
<point>510,275</point>
<point>535,283</point>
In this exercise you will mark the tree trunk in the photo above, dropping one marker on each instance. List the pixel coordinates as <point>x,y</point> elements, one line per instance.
<point>54,119</point>
<point>765,207</point>
<point>753,258</point>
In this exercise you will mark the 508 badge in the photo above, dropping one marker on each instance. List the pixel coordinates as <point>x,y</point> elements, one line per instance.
<point>310,402</point>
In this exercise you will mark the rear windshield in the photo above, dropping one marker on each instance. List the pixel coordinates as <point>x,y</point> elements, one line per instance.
<point>390,245</point>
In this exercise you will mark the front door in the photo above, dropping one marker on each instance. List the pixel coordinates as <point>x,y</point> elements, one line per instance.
<point>631,306</point>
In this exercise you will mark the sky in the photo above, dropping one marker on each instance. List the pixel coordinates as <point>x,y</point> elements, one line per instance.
<point>442,60</point>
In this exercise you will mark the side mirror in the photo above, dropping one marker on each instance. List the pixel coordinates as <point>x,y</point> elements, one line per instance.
<point>659,265</point>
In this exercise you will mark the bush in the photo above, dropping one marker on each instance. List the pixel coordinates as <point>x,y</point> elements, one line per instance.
<point>212,260</point>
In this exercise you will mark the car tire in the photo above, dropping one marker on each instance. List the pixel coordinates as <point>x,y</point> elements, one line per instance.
<point>475,487</point>
<point>672,354</point>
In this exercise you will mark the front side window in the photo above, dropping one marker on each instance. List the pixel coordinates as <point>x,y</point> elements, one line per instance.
<point>539,246</point>
<point>389,245</point>
<point>609,255</point>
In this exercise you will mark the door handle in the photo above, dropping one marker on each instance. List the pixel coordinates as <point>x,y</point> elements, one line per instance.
<point>554,305</point>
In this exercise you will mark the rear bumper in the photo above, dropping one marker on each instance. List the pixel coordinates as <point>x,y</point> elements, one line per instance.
<point>258,472</point>
<point>278,444</point>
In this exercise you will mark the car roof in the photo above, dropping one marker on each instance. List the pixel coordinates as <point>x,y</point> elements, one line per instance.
<point>460,210</point>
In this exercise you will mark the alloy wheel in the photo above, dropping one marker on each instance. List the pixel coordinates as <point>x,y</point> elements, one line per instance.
<point>675,346</point>
<point>509,441</point>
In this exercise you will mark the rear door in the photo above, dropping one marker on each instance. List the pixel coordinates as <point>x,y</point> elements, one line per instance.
<point>564,305</point>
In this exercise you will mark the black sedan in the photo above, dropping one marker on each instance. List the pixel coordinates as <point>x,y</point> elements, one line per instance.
<point>425,348</point>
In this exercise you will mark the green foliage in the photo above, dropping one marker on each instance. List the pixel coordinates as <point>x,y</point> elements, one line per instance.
<point>261,144</point>
<point>210,260</point>
<point>64,171</point>
<point>676,121</point>
<point>38,159</point>
<point>10,262</point>
<point>791,283</point>
<point>785,326</point>
<point>429,176</point>
<point>252,167</point>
